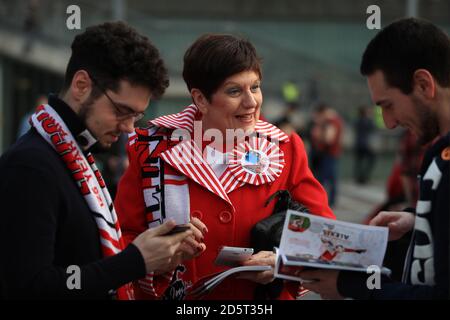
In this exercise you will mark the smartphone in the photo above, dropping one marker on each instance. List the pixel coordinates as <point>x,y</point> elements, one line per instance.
<point>233,256</point>
<point>177,229</point>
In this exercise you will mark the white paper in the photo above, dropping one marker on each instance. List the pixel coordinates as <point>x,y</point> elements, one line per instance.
<point>318,242</point>
<point>210,284</point>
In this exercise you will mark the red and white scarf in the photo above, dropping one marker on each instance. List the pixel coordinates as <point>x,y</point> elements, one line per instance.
<point>89,181</point>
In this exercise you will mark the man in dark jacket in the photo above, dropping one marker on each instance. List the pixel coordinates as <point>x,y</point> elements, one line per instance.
<point>407,66</point>
<point>59,234</point>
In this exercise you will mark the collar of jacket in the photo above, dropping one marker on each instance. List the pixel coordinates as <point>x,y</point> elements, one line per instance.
<point>185,120</point>
<point>84,137</point>
<point>187,157</point>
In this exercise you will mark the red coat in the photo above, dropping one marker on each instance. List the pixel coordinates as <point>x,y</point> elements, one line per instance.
<point>229,208</point>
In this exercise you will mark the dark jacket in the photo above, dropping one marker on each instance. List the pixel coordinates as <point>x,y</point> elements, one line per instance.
<point>427,264</point>
<point>46,226</point>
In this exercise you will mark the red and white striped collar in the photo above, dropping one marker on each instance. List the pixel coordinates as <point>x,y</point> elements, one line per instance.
<point>187,157</point>
<point>185,120</point>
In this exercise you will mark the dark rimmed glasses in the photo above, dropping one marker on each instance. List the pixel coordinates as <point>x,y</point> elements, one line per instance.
<point>123,112</point>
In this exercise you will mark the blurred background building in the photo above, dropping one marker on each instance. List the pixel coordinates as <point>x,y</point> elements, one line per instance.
<point>311,53</point>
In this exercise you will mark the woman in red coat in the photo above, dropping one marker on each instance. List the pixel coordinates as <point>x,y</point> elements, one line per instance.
<point>217,163</point>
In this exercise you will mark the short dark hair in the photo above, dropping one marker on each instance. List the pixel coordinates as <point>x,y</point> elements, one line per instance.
<point>405,46</point>
<point>321,107</point>
<point>214,57</point>
<point>114,51</point>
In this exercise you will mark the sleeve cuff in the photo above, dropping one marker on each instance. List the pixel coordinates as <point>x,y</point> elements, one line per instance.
<point>353,285</point>
<point>126,266</point>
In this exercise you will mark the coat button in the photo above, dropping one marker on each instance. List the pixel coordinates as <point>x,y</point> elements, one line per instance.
<point>197,214</point>
<point>225,216</point>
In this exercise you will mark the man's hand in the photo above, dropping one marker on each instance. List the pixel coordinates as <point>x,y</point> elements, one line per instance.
<point>323,282</point>
<point>160,252</point>
<point>398,222</point>
<point>262,258</point>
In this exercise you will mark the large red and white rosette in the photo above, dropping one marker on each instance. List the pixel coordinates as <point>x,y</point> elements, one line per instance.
<point>256,161</point>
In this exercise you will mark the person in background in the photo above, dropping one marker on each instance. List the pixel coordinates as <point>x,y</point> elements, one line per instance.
<point>364,155</point>
<point>326,147</point>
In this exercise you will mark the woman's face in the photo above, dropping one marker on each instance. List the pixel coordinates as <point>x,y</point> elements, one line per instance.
<point>235,105</point>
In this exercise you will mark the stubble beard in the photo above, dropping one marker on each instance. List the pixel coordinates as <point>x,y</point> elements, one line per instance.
<point>429,124</point>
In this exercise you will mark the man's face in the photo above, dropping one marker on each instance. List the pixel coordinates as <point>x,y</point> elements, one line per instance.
<point>407,110</point>
<point>106,121</point>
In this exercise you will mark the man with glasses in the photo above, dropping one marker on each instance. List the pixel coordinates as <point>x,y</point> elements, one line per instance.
<point>59,233</point>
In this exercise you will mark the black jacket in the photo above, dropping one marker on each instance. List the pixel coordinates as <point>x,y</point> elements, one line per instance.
<point>46,226</point>
<point>427,265</point>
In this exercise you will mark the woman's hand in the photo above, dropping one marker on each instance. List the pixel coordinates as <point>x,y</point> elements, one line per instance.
<point>262,258</point>
<point>190,248</point>
<point>194,245</point>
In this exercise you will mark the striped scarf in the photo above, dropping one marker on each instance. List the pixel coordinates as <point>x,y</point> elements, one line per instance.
<point>89,181</point>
